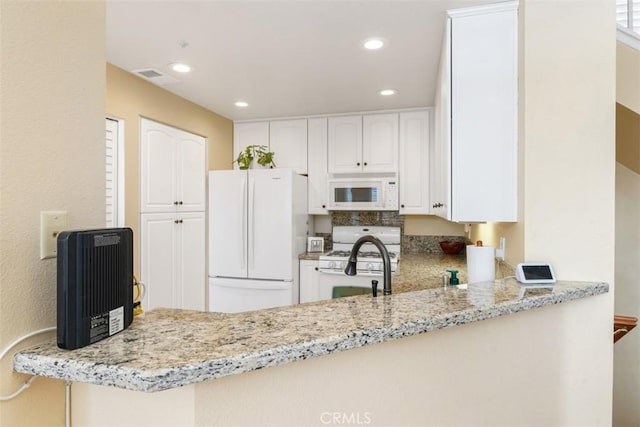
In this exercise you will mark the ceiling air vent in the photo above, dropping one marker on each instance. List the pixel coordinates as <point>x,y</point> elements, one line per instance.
<point>155,76</point>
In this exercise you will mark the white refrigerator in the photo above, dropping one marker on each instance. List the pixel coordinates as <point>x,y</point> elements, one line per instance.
<point>258,224</point>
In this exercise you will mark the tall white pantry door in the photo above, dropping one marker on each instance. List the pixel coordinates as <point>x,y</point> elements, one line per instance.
<point>172,220</point>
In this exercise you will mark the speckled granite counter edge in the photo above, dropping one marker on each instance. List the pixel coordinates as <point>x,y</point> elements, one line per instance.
<point>152,380</point>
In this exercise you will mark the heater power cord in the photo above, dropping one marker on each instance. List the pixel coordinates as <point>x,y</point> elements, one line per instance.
<point>139,291</point>
<point>17,341</point>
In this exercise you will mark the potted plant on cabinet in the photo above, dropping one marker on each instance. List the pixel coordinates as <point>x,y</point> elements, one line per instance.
<point>264,157</point>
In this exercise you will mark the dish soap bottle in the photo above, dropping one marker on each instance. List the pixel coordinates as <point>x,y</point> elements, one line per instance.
<point>454,277</point>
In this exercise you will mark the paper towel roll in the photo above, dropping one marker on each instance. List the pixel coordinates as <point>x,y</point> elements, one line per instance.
<point>481,265</point>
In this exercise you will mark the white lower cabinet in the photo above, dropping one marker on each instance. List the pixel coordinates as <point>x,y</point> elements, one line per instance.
<point>309,281</point>
<point>173,260</point>
<point>413,171</point>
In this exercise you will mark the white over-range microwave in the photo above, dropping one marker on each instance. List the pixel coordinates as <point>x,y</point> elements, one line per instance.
<point>357,193</point>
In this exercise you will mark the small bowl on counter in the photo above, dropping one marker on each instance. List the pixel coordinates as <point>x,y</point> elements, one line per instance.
<point>452,248</point>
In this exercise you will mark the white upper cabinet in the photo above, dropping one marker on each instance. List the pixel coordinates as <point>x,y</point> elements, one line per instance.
<point>288,140</point>
<point>245,134</point>
<point>380,142</point>
<point>413,171</point>
<point>317,164</point>
<point>366,143</point>
<point>345,144</point>
<point>476,117</point>
<point>172,169</point>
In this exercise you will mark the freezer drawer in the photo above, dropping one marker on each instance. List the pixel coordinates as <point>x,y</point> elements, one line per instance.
<point>236,295</point>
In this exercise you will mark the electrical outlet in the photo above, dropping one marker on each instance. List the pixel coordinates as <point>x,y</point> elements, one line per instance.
<point>51,224</point>
<point>501,250</point>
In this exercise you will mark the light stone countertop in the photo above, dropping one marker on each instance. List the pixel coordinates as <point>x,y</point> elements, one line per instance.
<point>168,348</point>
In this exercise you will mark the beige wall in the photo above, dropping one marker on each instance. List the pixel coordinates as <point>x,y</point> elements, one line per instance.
<point>628,137</point>
<point>130,98</point>
<point>51,158</point>
<point>568,165</point>
<point>430,225</point>
<point>628,77</point>
<point>569,170</point>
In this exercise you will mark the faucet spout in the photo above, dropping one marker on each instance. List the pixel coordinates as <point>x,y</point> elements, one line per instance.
<point>386,261</point>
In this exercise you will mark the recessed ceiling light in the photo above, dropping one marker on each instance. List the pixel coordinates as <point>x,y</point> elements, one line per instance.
<point>373,44</point>
<point>388,92</point>
<point>180,68</point>
<point>242,104</point>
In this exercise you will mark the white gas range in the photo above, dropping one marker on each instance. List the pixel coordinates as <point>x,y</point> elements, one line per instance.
<point>334,282</point>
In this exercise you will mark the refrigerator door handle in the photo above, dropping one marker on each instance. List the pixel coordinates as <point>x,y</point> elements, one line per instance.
<point>252,231</point>
<point>243,223</point>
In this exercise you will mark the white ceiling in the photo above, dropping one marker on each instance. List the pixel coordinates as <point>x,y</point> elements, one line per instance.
<point>285,58</point>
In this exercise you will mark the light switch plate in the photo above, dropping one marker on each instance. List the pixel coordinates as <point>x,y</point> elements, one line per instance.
<point>51,224</point>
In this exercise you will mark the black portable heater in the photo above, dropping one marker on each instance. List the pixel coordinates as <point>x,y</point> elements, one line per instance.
<point>95,285</point>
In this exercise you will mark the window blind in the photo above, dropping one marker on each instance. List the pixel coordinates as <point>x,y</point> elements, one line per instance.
<point>628,14</point>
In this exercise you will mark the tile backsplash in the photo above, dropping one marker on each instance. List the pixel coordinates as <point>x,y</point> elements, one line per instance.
<point>390,219</point>
<point>428,244</point>
<point>409,243</point>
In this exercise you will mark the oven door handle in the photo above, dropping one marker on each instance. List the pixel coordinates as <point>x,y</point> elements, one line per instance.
<point>360,273</point>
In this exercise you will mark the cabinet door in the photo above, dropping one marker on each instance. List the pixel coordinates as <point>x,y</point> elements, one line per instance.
<point>191,172</point>
<point>158,172</point>
<point>484,116</point>
<point>414,162</point>
<point>255,133</point>
<point>288,140</point>
<point>440,174</point>
<point>190,260</point>
<point>157,263</point>
<point>309,281</point>
<point>317,162</point>
<point>380,143</point>
<point>345,144</point>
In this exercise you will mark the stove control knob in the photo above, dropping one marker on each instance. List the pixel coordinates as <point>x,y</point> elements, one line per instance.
<point>370,266</point>
<point>341,265</point>
<point>332,264</point>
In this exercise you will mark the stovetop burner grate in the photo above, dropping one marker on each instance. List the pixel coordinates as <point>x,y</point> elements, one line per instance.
<point>368,254</point>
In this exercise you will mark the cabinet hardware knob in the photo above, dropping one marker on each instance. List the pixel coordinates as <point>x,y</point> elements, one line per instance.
<point>180,221</point>
<point>365,163</point>
<point>175,203</point>
<point>316,268</point>
<point>324,206</point>
<point>402,206</point>
<point>358,164</point>
<point>176,221</point>
<point>180,202</point>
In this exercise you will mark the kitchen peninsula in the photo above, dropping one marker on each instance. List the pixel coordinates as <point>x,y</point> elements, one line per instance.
<point>178,350</point>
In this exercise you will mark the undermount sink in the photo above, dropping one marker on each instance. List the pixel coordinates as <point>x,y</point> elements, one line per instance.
<point>347,291</point>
